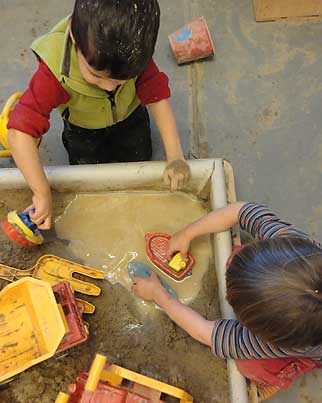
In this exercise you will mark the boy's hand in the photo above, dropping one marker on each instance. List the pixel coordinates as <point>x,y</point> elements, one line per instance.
<point>176,174</point>
<point>42,204</point>
<point>148,288</point>
<point>178,243</point>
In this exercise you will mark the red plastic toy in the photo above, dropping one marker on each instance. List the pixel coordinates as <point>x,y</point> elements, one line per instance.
<point>113,384</point>
<point>156,246</point>
<point>21,230</point>
<point>105,393</point>
<point>78,331</point>
<point>192,42</point>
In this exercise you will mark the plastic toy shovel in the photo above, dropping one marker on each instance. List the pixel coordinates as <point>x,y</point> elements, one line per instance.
<point>53,270</point>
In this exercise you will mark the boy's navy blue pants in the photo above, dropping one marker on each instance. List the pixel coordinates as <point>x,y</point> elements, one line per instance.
<point>126,141</point>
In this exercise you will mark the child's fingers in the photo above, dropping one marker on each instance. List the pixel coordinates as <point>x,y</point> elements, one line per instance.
<point>134,286</point>
<point>42,220</point>
<point>44,223</point>
<point>37,218</point>
<point>135,289</point>
<point>174,183</point>
<point>138,282</point>
<point>169,253</point>
<point>180,182</point>
<point>135,280</point>
<point>30,208</point>
<point>170,248</point>
<point>166,178</point>
<point>186,179</point>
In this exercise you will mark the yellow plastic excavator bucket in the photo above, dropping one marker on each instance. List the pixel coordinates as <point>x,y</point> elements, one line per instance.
<point>53,269</point>
<point>31,327</point>
<point>4,118</point>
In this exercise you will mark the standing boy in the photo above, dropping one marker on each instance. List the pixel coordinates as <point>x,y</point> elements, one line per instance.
<point>96,67</point>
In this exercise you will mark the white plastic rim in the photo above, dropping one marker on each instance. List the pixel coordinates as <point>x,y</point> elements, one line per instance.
<point>223,248</point>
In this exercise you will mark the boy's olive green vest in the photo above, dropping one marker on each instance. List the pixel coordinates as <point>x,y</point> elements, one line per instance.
<point>89,106</point>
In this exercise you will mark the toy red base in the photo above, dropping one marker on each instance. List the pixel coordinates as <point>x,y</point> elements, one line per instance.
<point>15,235</point>
<point>156,246</point>
<point>106,393</point>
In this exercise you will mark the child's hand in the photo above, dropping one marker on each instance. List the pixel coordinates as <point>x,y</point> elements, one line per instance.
<point>178,243</point>
<point>176,174</point>
<point>147,288</point>
<point>42,204</point>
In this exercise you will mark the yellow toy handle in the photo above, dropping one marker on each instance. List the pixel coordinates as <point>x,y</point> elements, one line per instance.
<point>93,379</point>
<point>10,103</point>
<point>121,373</point>
<point>4,117</point>
<point>95,373</point>
<point>115,375</point>
<point>62,398</point>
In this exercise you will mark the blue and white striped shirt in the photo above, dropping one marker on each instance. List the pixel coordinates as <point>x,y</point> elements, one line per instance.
<point>230,339</point>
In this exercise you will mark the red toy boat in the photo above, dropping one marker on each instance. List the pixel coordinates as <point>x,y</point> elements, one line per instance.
<point>156,246</point>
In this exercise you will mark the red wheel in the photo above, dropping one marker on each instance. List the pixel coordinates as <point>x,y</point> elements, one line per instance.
<point>14,235</point>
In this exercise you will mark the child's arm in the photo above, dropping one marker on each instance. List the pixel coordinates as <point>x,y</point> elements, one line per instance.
<point>217,221</point>
<point>177,172</point>
<point>30,117</point>
<point>228,338</point>
<point>26,156</point>
<point>189,320</point>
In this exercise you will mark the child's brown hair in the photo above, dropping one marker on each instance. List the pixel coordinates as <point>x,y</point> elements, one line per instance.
<point>275,289</point>
<point>116,36</point>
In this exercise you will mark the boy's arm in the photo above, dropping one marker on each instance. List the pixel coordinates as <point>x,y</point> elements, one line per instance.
<point>232,340</point>
<point>30,119</point>
<point>189,320</point>
<point>217,221</point>
<point>177,171</point>
<point>153,90</point>
<point>227,337</point>
<point>26,156</point>
<point>262,223</point>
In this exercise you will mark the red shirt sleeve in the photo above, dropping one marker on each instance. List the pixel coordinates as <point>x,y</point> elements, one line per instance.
<point>31,114</point>
<point>152,85</point>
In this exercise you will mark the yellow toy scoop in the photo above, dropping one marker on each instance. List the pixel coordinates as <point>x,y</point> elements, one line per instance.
<point>31,326</point>
<point>53,270</point>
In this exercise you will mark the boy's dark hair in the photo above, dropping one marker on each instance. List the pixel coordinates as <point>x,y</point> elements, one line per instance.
<point>275,289</point>
<point>116,36</point>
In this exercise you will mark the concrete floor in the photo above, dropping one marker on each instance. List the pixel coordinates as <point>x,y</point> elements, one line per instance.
<point>262,100</point>
<point>257,103</point>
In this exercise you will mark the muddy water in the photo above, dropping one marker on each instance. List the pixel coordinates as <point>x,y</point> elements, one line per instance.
<point>107,231</point>
<point>136,336</point>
